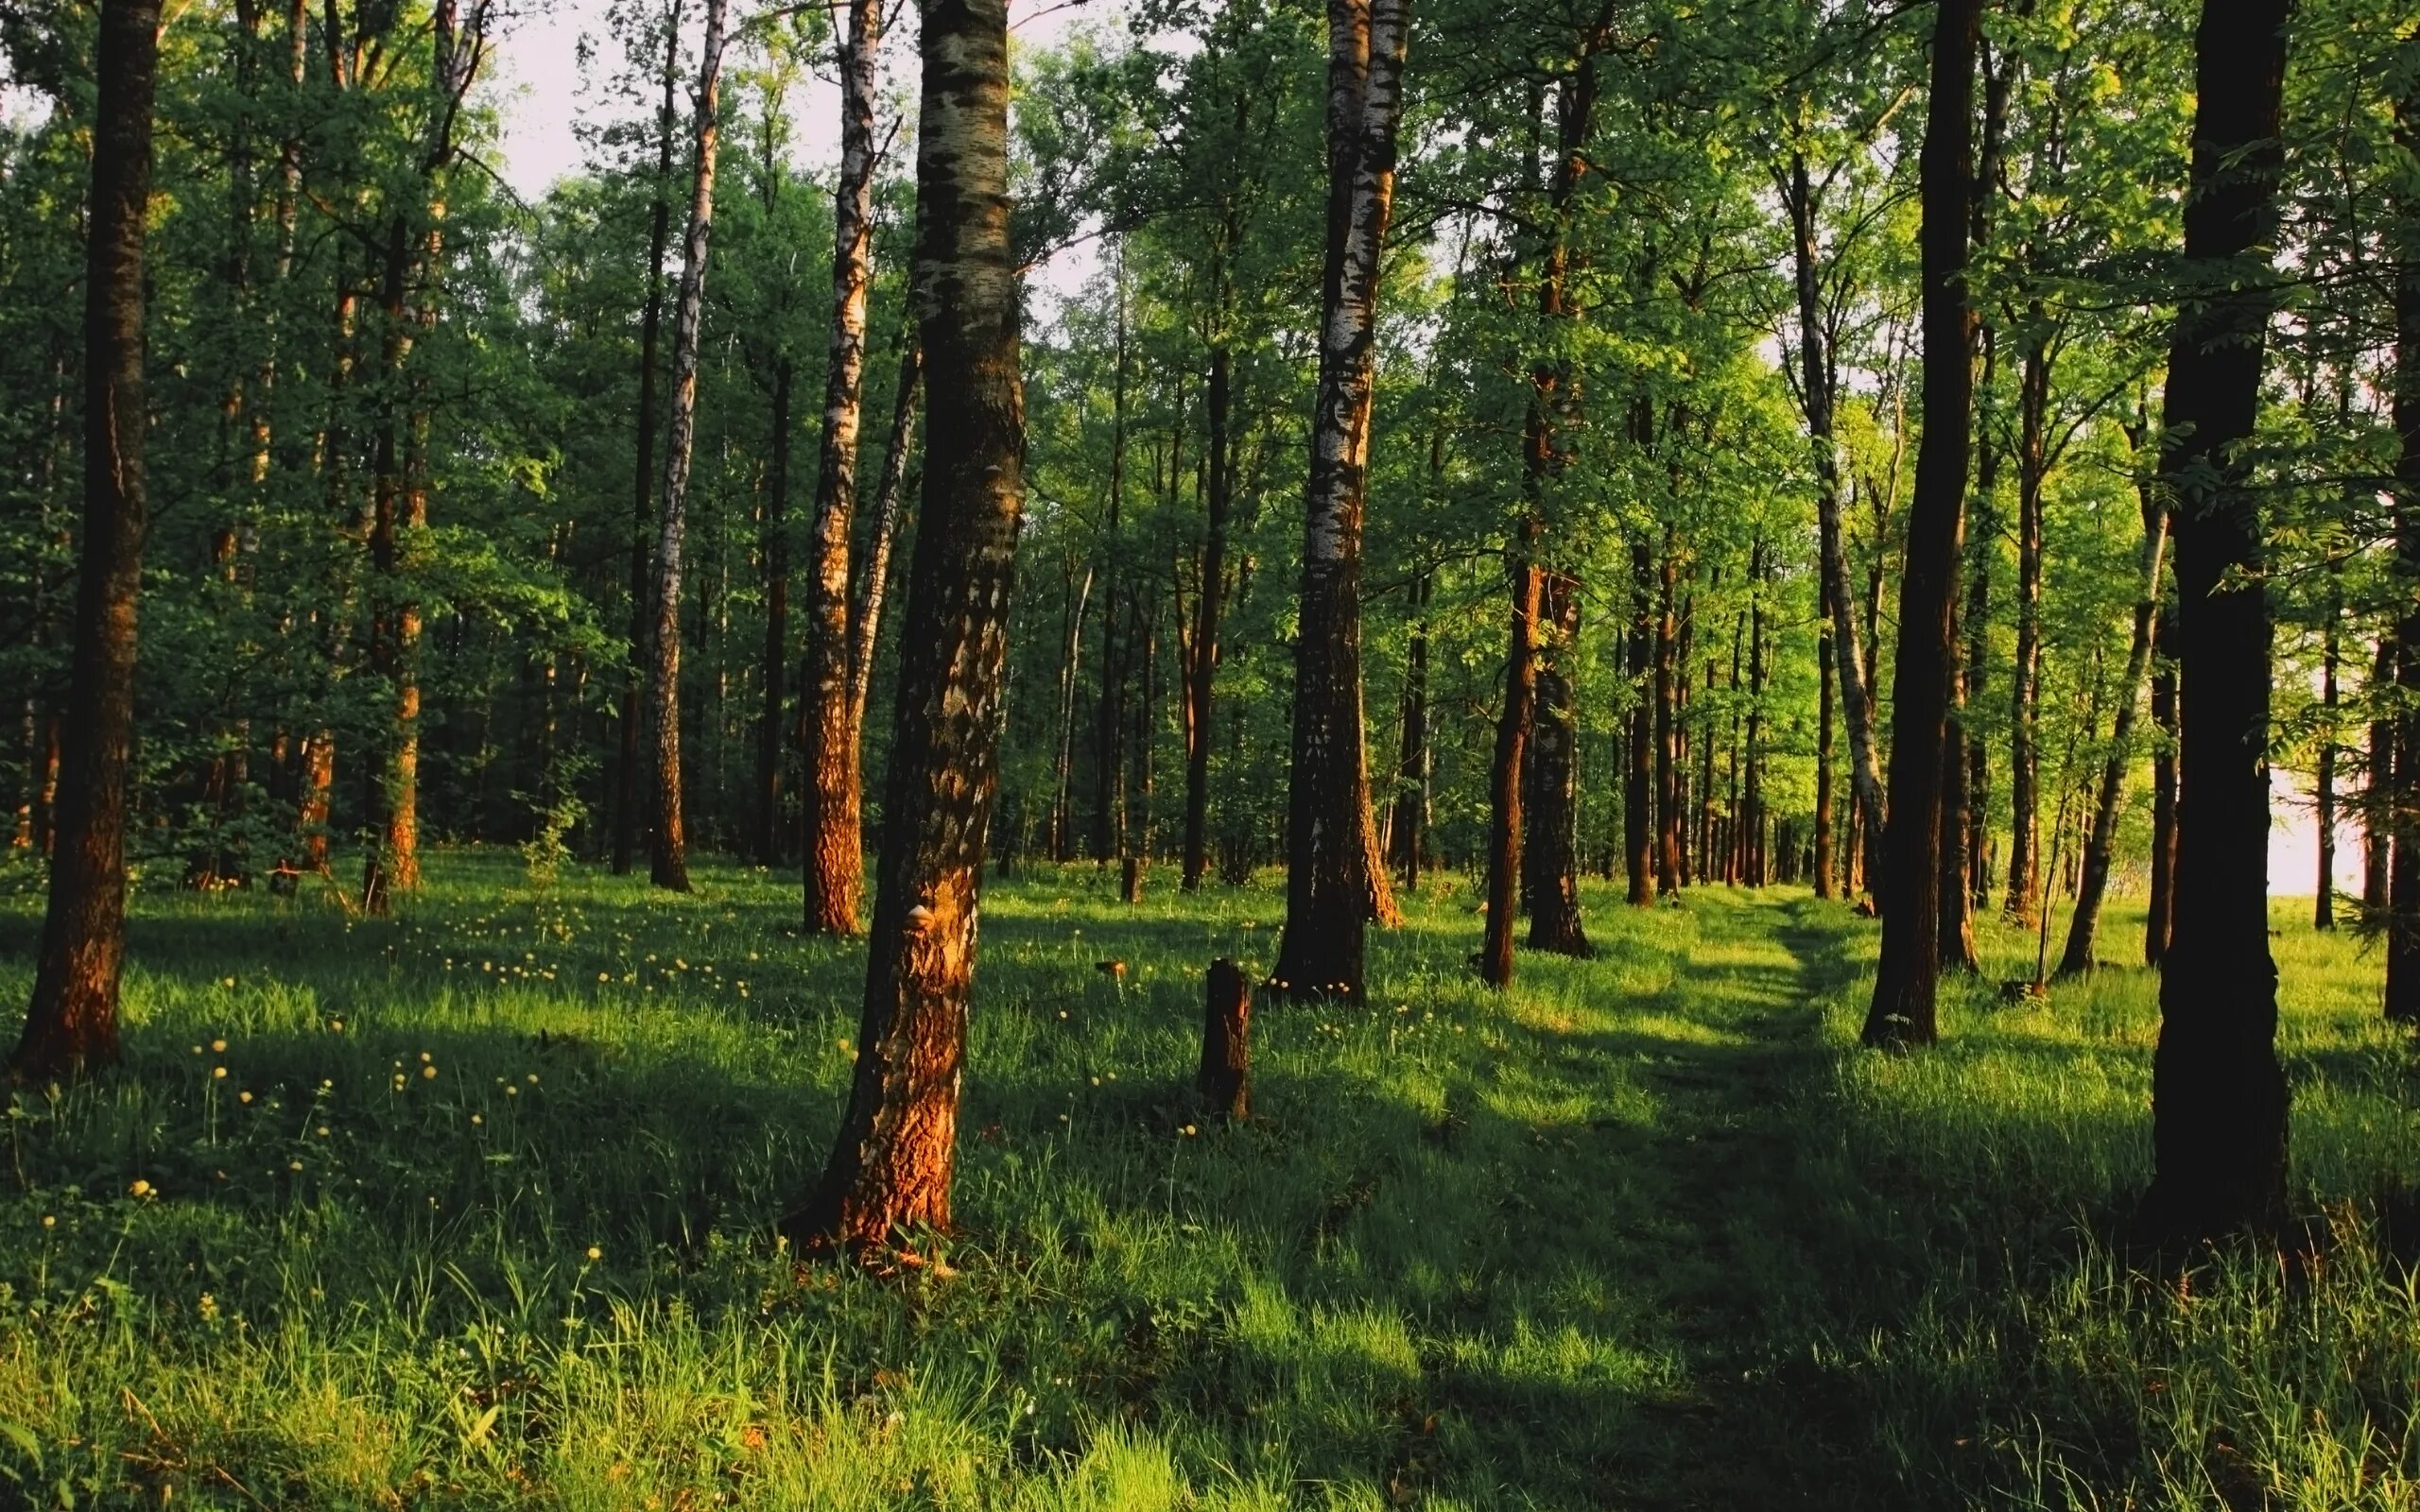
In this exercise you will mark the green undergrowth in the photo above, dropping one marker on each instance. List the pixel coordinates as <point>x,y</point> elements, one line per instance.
<point>473,1209</point>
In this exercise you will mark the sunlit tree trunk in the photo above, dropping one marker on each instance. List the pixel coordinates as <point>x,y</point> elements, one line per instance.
<point>631,804</point>
<point>1334,882</point>
<point>668,855</point>
<point>71,1025</point>
<point>2218,1099</point>
<point>835,847</point>
<point>890,1167</point>
<point>1903,1012</point>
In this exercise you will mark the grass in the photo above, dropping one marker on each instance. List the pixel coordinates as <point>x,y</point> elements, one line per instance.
<point>472,1210</point>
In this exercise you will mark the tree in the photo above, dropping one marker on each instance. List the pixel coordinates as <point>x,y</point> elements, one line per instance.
<point>835,850</point>
<point>71,1025</point>
<point>668,856</point>
<point>891,1163</point>
<point>1903,1012</point>
<point>1332,871</point>
<point>2218,1099</point>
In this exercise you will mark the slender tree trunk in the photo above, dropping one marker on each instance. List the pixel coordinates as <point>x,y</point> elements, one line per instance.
<point>1108,710</point>
<point>71,1025</point>
<point>1504,783</point>
<point>1817,385</point>
<point>393,862</point>
<point>2218,1099</point>
<point>630,802</point>
<point>1330,889</point>
<point>1408,834</point>
<point>892,1164</point>
<point>1902,1009</point>
<point>1639,789</point>
<point>2378,797</point>
<point>2159,921</point>
<point>2331,653</point>
<point>835,845</point>
<point>873,575</point>
<point>1668,764</point>
<point>1553,833</point>
<point>1201,674</point>
<point>1063,815</point>
<point>2100,841</point>
<point>668,856</point>
<point>775,545</point>
<point>2025,672</point>
<point>1825,672</point>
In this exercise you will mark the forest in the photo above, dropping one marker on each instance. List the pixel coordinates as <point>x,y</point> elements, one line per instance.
<point>1687,738</point>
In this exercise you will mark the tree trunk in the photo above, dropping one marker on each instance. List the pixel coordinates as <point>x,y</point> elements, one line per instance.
<point>1668,763</point>
<point>1062,813</point>
<point>2218,1099</point>
<point>1638,792</point>
<point>835,844</point>
<point>2331,652</point>
<point>1552,836</point>
<point>1108,724</point>
<point>2159,923</point>
<point>775,541</point>
<point>1224,1079</point>
<point>1825,740</point>
<point>71,1025</point>
<point>892,1164</point>
<point>1203,668</point>
<point>1408,833</point>
<point>394,629</point>
<point>2100,841</point>
<point>1902,1009</point>
<point>1816,381</point>
<point>630,802</point>
<point>2403,866</point>
<point>1331,890</point>
<point>2377,796</point>
<point>2025,672</point>
<point>1504,780</point>
<point>668,856</point>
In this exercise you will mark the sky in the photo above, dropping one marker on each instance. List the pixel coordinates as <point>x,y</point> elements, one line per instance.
<point>537,80</point>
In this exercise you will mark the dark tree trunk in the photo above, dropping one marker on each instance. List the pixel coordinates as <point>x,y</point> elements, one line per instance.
<point>1504,780</point>
<point>1334,882</point>
<point>1109,723</point>
<point>668,856</point>
<point>892,1164</point>
<point>1668,763</point>
<point>1201,673</point>
<point>2377,796</point>
<point>631,801</point>
<point>776,546</point>
<point>2403,866</point>
<point>2331,653</point>
<point>1408,833</point>
<point>1224,1079</point>
<point>835,869</point>
<point>1902,1009</point>
<point>2025,672</point>
<point>2219,1100</point>
<point>71,1025</point>
<point>1825,656</point>
<point>1638,788</point>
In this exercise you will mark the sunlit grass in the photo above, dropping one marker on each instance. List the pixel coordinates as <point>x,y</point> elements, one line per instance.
<point>473,1208</point>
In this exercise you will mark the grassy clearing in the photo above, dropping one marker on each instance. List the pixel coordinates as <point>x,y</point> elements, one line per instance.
<point>478,1214</point>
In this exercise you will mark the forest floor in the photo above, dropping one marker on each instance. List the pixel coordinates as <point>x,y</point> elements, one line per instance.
<point>473,1209</point>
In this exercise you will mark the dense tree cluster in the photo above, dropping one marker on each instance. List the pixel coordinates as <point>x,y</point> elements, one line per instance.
<point>1408,436</point>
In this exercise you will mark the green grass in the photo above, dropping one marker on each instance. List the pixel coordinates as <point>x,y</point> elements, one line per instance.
<point>492,1228</point>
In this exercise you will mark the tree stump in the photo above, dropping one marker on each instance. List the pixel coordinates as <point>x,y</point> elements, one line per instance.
<point>1130,881</point>
<point>1225,1078</point>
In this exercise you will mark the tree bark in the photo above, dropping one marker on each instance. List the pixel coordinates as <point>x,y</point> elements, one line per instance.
<point>1903,1011</point>
<point>1638,790</point>
<point>890,1166</point>
<point>1667,762</point>
<point>2218,1099</point>
<point>1333,885</point>
<point>631,801</point>
<point>2403,866</point>
<point>1816,386</point>
<point>71,1025</point>
<point>1825,673</point>
<point>1504,781</point>
<point>2159,923</point>
<point>668,856</point>
<point>2378,797</point>
<point>834,843</point>
<point>2100,841</point>
<point>2025,672</point>
<point>1224,1079</point>
<point>2331,653</point>
<point>1203,668</point>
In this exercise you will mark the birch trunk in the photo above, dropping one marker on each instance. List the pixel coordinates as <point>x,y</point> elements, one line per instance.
<point>668,855</point>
